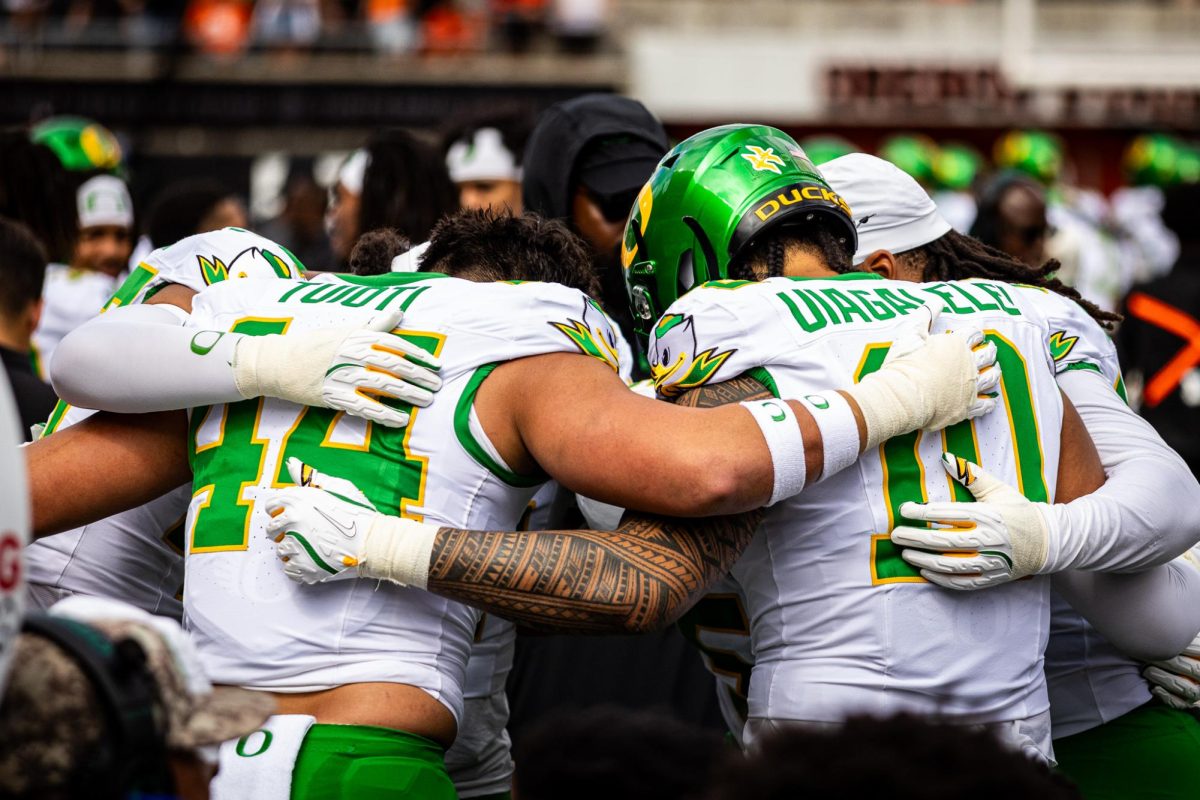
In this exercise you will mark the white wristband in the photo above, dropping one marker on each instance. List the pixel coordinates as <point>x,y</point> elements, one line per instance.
<point>398,550</point>
<point>839,430</point>
<point>780,428</point>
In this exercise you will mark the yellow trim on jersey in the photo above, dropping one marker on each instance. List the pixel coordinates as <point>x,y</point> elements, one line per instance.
<point>878,581</point>
<point>950,482</point>
<point>207,489</point>
<point>280,463</point>
<point>867,351</point>
<point>362,448</point>
<point>200,448</point>
<point>1012,428</point>
<point>406,503</point>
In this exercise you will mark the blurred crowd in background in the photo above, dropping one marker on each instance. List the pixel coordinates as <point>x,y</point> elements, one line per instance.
<point>229,27</point>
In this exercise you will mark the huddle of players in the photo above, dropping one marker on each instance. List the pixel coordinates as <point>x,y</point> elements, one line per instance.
<point>841,617</point>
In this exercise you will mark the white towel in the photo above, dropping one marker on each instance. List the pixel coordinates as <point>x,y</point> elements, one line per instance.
<point>259,766</point>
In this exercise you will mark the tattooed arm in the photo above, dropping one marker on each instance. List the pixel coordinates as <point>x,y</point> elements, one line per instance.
<point>640,577</point>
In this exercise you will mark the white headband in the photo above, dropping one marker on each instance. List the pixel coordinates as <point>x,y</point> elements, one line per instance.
<point>104,200</point>
<point>484,158</point>
<point>891,211</point>
<point>354,171</point>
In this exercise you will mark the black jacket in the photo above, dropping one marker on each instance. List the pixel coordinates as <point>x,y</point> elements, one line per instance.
<point>35,399</point>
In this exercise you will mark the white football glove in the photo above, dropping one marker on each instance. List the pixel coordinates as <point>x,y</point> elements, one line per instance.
<point>350,369</point>
<point>325,529</point>
<point>1176,681</point>
<point>1000,538</point>
<point>928,381</point>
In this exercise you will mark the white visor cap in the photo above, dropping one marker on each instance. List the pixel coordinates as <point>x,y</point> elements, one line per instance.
<point>483,158</point>
<point>891,211</point>
<point>104,200</point>
<point>354,171</point>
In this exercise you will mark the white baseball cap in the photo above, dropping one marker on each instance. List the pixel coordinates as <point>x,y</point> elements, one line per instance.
<point>891,211</point>
<point>104,200</point>
<point>354,171</point>
<point>482,158</point>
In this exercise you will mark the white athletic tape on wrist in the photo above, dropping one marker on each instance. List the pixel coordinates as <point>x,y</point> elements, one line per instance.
<point>398,550</point>
<point>785,442</point>
<point>839,430</point>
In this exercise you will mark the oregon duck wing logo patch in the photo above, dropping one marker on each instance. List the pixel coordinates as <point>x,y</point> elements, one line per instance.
<point>675,366</point>
<point>593,334</point>
<point>253,262</point>
<point>1061,344</point>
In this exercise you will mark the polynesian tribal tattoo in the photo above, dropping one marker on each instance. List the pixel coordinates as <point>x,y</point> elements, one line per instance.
<point>640,577</point>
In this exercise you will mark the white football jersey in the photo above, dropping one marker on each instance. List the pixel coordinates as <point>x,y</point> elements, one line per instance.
<point>1090,681</point>
<point>137,555</point>
<point>840,624</point>
<point>256,628</point>
<point>70,297</point>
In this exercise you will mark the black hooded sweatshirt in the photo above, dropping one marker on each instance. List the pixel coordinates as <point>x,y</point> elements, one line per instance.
<point>550,163</point>
<point>562,133</point>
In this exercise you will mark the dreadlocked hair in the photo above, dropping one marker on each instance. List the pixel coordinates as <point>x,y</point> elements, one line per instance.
<point>767,256</point>
<point>955,257</point>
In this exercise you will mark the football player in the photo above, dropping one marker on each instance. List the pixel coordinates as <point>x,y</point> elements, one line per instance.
<point>1108,735</point>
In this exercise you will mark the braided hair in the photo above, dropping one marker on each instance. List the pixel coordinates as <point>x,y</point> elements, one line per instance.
<point>767,257</point>
<point>955,257</point>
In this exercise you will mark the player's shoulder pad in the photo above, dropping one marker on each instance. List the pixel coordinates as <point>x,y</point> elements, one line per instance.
<point>561,318</point>
<point>1074,339</point>
<point>506,320</point>
<point>704,337</point>
<point>207,259</point>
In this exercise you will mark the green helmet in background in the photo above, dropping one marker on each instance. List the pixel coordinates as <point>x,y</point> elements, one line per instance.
<point>711,197</point>
<point>1188,164</point>
<point>956,166</point>
<point>823,148</point>
<point>1152,159</point>
<point>1038,154</point>
<point>912,152</point>
<point>81,144</point>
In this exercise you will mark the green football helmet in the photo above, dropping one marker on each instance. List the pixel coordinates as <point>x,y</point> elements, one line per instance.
<point>956,166</point>
<point>1038,154</point>
<point>912,152</point>
<point>1189,163</point>
<point>81,144</point>
<point>1152,159</point>
<point>826,148</point>
<point>709,199</point>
